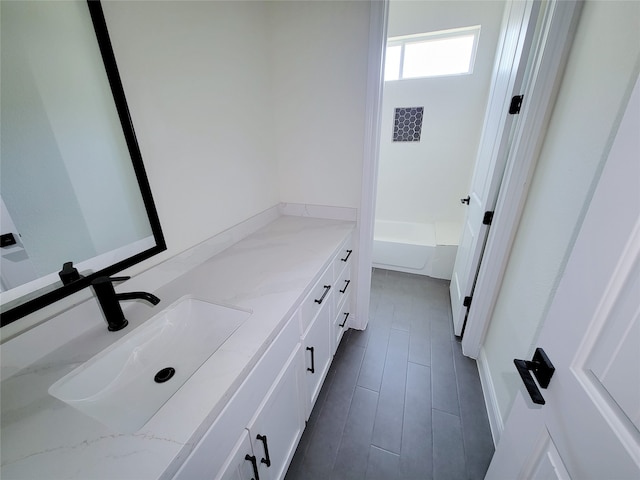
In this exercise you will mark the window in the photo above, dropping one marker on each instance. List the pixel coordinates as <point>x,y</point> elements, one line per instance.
<point>434,54</point>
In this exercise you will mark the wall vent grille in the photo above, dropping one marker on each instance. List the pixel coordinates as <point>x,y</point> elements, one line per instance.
<point>407,124</point>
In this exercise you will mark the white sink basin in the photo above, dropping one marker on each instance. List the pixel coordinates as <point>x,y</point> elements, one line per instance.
<point>118,386</point>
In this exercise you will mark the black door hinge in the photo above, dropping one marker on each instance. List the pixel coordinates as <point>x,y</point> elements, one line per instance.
<point>488,218</point>
<point>516,103</point>
<point>467,302</point>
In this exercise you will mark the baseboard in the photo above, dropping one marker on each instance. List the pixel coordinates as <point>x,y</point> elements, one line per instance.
<point>493,412</point>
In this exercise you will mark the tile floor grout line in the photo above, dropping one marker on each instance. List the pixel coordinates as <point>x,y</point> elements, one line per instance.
<point>444,411</point>
<point>384,449</point>
<point>367,389</point>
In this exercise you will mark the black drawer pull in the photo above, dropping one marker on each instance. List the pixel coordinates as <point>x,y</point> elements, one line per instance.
<point>346,315</point>
<point>347,257</point>
<point>313,368</point>
<point>347,282</point>
<point>252,459</point>
<point>266,460</point>
<point>326,290</point>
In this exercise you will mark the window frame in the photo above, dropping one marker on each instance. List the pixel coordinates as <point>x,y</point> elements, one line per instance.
<point>403,40</point>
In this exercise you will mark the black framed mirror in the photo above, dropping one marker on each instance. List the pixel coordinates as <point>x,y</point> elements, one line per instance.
<point>72,180</point>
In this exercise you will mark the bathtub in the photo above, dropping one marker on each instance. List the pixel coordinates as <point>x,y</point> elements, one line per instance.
<point>421,248</point>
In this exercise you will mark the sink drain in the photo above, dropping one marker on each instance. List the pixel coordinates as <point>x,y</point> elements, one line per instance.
<point>164,374</point>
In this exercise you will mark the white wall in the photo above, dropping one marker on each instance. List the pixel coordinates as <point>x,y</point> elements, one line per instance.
<point>603,64</point>
<point>240,105</point>
<point>319,67</point>
<point>196,76</point>
<point>424,181</point>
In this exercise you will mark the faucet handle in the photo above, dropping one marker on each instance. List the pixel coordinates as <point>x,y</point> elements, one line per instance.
<point>118,279</point>
<point>105,279</point>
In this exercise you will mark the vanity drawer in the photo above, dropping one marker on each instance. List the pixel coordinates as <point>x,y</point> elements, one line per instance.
<point>341,322</point>
<point>319,296</point>
<point>343,286</point>
<point>344,258</point>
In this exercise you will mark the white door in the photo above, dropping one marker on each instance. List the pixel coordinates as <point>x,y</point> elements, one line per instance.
<point>589,427</point>
<point>278,424</point>
<point>511,60</point>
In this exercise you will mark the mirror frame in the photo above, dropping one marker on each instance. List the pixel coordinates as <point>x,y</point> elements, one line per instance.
<point>109,60</point>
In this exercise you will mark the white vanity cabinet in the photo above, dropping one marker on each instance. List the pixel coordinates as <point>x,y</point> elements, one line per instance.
<point>278,424</point>
<point>344,285</point>
<point>316,314</point>
<point>266,447</point>
<point>257,433</point>
<point>239,464</point>
<point>340,322</point>
<point>270,402</point>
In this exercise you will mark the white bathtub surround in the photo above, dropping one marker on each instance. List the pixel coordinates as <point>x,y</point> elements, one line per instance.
<point>268,272</point>
<point>420,248</point>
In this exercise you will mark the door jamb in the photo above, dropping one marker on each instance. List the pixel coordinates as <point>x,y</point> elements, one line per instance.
<point>549,64</point>
<point>366,215</point>
<point>547,67</point>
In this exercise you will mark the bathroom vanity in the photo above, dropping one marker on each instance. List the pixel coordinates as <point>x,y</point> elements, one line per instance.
<point>241,414</point>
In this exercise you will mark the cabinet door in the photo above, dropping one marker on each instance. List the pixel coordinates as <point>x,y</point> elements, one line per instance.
<point>317,354</point>
<point>278,424</point>
<point>239,465</point>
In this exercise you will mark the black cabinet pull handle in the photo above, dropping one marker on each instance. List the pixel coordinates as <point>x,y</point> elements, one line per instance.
<point>313,368</point>
<point>347,282</point>
<point>347,257</point>
<point>326,290</point>
<point>543,370</point>
<point>266,460</point>
<point>252,459</point>
<point>346,315</point>
<point>465,200</point>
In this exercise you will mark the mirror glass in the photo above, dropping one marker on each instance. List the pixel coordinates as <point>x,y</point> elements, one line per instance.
<point>72,183</point>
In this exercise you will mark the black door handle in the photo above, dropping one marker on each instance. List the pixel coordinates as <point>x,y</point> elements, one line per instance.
<point>346,284</point>
<point>543,370</point>
<point>252,459</point>
<point>348,255</point>
<point>465,200</point>
<point>8,239</point>
<point>346,315</point>
<point>266,460</point>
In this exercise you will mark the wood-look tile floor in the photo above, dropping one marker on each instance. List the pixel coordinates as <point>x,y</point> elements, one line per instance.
<point>400,400</point>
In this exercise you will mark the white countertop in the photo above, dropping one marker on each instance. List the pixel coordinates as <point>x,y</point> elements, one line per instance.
<point>269,272</point>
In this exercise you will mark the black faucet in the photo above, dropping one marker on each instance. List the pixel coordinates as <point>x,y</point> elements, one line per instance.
<point>110,300</point>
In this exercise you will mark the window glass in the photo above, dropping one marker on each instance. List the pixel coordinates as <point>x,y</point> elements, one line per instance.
<point>447,56</point>
<point>392,63</point>
<point>446,52</point>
